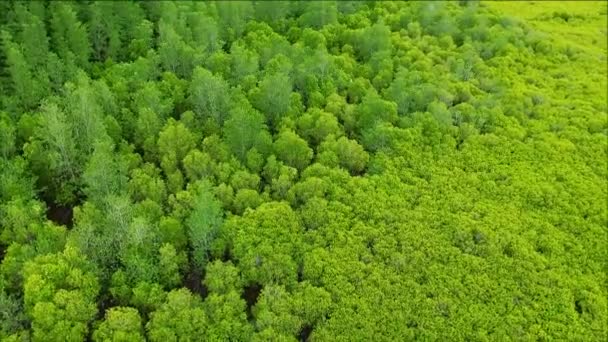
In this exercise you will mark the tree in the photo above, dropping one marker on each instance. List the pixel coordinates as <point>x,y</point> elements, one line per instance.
<point>104,174</point>
<point>7,136</point>
<point>205,31</point>
<point>145,296</point>
<point>175,54</point>
<point>233,16</point>
<point>148,127</point>
<point>217,149</point>
<point>152,108</point>
<point>104,31</point>
<point>244,180</point>
<point>27,57</point>
<point>209,95</point>
<point>203,224</point>
<point>12,317</point>
<point>174,143</point>
<point>312,170</point>
<point>219,63</point>
<point>27,90</point>
<point>227,317</point>
<point>172,231</point>
<point>142,39</point>
<point>99,232</point>
<point>267,244</point>
<point>120,324</point>
<point>33,38</point>
<point>319,13</point>
<point>310,188</point>
<point>315,125</point>
<point>54,155</point>
<point>244,66</point>
<point>273,312</point>
<point>374,110</point>
<point>170,264</point>
<point>244,130</point>
<point>313,40</point>
<point>419,94</point>
<point>59,295</point>
<point>262,39</point>
<point>222,277</point>
<point>272,11</point>
<point>279,176</point>
<point>293,150</point>
<point>146,183</point>
<point>287,313</point>
<point>150,96</point>
<point>138,251</point>
<point>69,36</point>
<point>374,39</point>
<point>180,318</point>
<point>382,69</point>
<point>199,165</point>
<point>348,153</point>
<point>272,97</point>
<point>246,198</point>
<point>85,113</point>
<point>382,137</point>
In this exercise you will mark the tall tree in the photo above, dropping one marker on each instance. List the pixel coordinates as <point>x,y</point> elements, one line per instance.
<point>267,243</point>
<point>175,54</point>
<point>54,154</point>
<point>85,114</point>
<point>104,174</point>
<point>174,143</point>
<point>273,96</point>
<point>69,35</point>
<point>233,16</point>
<point>205,31</point>
<point>120,324</point>
<point>244,130</point>
<point>181,318</point>
<point>104,31</point>
<point>138,252</point>
<point>319,13</point>
<point>209,95</point>
<point>244,65</point>
<point>99,232</point>
<point>7,136</point>
<point>32,36</point>
<point>315,125</point>
<point>348,153</point>
<point>374,39</point>
<point>25,87</point>
<point>203,224</point>
<point>293,150</point>
<point>59,293</point>
<point>272,11</point>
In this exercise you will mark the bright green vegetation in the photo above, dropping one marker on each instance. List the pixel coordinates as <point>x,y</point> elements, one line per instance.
<point>581,23</point>
<point>313,171</point>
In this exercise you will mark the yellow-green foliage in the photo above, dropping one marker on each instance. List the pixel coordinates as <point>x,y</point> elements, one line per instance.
<point>311,170</point>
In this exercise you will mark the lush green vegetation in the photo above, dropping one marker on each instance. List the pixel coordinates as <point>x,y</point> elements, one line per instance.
<point>283,171</point>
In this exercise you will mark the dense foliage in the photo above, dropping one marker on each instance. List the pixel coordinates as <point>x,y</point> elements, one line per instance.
<point>312,170</point>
